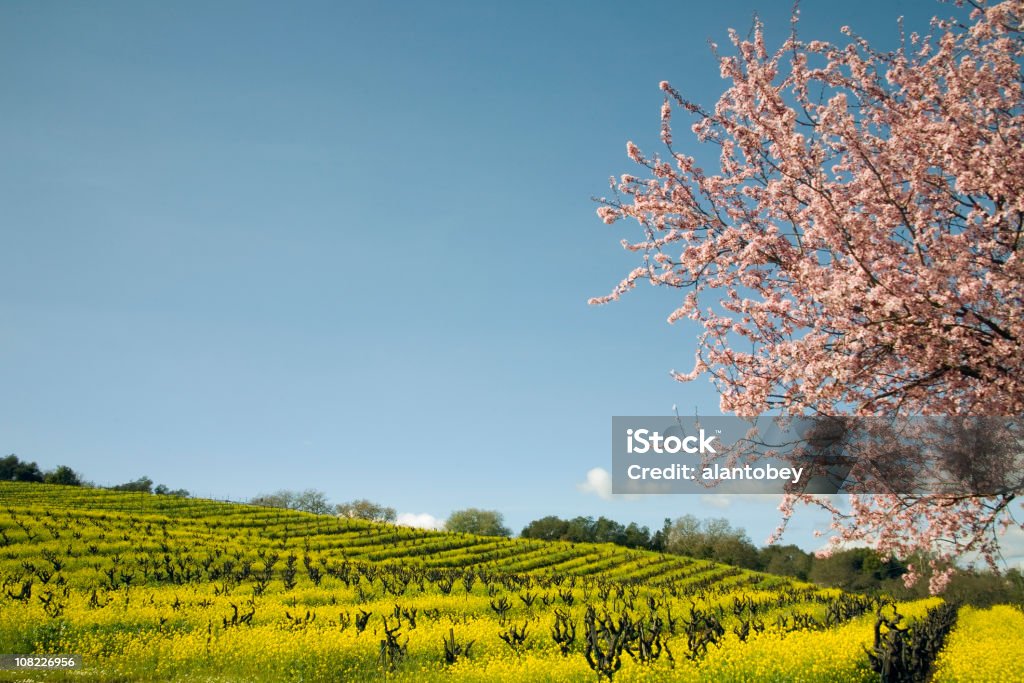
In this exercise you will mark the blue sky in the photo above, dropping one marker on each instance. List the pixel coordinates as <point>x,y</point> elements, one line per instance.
<point>251,246</point>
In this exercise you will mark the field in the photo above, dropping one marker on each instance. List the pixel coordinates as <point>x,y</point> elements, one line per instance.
<point>147,587</point>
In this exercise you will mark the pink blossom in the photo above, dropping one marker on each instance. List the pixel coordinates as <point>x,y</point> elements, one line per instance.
<point>869,207</point>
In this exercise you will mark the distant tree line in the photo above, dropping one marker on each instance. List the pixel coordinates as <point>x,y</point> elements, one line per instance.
<point>590,530</point>
<point>368,510</point>
<point>861,570</point>
<point>479,522</point>
<point>856,569</point>
<point>13,468</point>
<point>309,500</point>
<point>708,539</point>
<point>312,500</point>
<point>145,485</point>
<point>468,521</point>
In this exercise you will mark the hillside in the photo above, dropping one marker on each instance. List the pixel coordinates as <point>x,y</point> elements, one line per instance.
<point>148,587</point>
<point>218,530</point>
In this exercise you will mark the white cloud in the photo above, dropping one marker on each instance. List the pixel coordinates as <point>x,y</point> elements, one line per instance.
<point>421,520</point>
<point>599,482</point>
<point>828,548</point>
<point>719,500</point>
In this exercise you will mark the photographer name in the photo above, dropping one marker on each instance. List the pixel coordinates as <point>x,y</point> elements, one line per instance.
<point>716,473</point>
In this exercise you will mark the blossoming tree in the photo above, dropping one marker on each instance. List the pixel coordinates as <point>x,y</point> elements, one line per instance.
<point>859,251</point>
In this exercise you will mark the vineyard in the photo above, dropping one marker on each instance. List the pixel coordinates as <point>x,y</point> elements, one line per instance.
<point>147,587</point>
